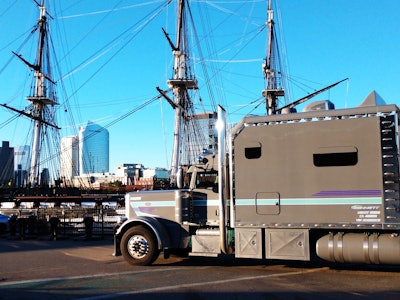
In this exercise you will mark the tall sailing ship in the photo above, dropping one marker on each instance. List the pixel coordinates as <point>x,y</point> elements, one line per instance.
<point>42,100</point>
<point>41,110</point>
<point>42,180</point>
<point>194,132</point>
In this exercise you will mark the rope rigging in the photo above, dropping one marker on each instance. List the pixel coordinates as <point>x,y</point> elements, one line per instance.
<point>212,67</point>
<point>124,116</point>
<point>119,42</point>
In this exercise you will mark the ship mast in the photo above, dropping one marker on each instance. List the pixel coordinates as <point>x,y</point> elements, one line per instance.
<point>181,83</point>
<point>271,67</point>
<point>43,94</point>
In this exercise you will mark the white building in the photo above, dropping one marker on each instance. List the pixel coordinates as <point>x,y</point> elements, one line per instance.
<point>127,173</point>
<point>93,181</point>
<point>157,172</point>
<point>69,159</point>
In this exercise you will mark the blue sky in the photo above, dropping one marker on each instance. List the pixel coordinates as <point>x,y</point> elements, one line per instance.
<point>112,60</point>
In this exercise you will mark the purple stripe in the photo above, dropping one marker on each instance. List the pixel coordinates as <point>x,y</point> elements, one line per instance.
<point>146,209</point>
<point>349,193</point>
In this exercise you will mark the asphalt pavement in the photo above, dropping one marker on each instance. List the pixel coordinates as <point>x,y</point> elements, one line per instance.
<point>86,269</point>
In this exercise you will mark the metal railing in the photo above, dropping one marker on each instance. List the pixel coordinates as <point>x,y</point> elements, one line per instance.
<point>61,222</point>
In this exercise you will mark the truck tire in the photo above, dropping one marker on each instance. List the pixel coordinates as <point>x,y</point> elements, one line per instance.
<point>139,246</point>
<point>3,228</point>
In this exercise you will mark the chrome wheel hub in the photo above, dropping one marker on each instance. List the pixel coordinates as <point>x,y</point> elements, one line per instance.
<point>138,247</point>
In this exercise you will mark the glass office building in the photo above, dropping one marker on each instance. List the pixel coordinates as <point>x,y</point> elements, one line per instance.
<point>93,149</point>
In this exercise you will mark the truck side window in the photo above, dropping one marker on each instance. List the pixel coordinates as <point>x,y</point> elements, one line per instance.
<point>336,157</point>
<point>209,179</point>
<point>252,150</point>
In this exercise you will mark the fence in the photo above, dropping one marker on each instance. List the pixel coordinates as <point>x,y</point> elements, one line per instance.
<point>63,222</point>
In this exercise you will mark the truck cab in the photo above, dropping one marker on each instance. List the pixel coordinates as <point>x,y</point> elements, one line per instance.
<point>167,220</point>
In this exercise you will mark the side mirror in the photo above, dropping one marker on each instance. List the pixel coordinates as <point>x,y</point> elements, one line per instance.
<point>179,178</point>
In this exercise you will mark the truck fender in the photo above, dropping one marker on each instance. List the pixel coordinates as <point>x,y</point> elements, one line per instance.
<point>161,234</point>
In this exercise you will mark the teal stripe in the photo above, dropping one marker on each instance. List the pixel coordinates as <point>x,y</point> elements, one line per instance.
<point>169,203</point>
<point>311,201</point>
<point>152,203</point>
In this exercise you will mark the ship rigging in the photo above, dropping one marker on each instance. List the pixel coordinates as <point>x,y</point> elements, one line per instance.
<point>189,136</point>
<point>43,98</point>
<point>193,130</point>
<point>276,74</point>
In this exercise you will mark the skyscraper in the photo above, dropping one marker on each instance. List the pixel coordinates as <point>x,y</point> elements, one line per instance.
<point>69,158</point>
<point>21,164</point>
<point>22,157</point>
<point>93,149</point>
<point>6,163</point>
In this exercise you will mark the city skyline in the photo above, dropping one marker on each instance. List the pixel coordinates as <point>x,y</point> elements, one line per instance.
<point>15,164</point>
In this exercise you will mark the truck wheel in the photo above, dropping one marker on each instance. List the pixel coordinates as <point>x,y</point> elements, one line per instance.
<point>3,228</point>
<point>139,246</point>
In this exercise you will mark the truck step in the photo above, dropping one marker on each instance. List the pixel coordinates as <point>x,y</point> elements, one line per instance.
<point>208,254</point>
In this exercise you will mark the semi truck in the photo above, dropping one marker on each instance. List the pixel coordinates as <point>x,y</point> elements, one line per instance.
<point>321,183</point>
